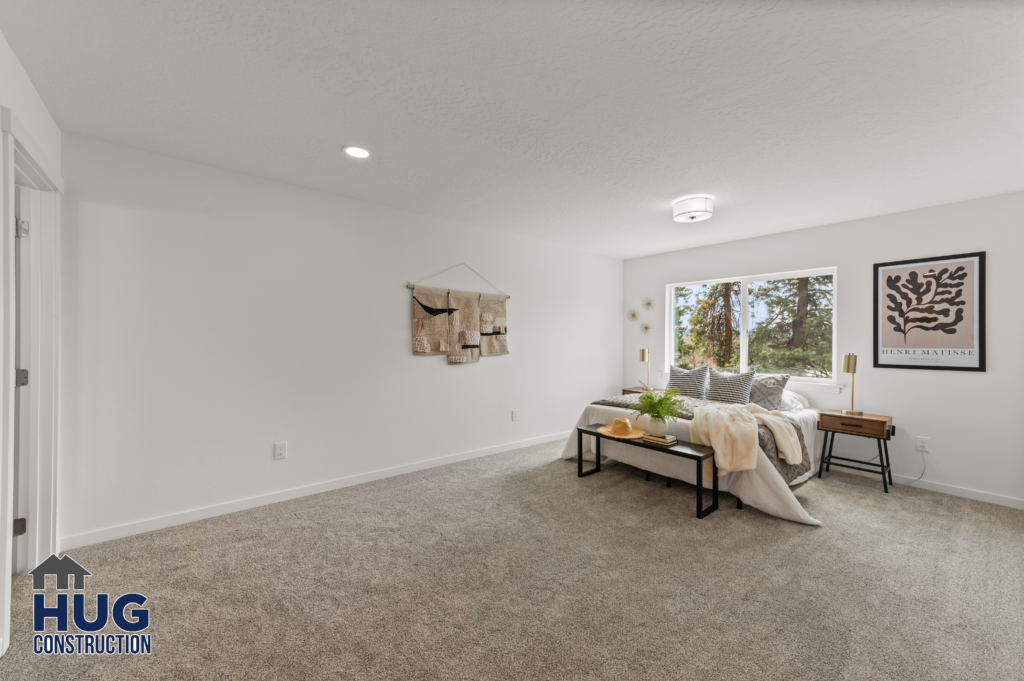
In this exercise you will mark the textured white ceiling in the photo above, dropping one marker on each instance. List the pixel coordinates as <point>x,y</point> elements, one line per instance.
<point>571,121</point>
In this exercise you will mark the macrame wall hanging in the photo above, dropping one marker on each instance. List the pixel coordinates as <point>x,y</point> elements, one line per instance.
<point>463,325</point>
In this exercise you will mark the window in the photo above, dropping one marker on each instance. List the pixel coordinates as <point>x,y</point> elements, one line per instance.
<point>773,324</point>
<point>707,325</point>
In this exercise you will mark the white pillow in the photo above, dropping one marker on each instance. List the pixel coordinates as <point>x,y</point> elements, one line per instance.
<point>793,402</point>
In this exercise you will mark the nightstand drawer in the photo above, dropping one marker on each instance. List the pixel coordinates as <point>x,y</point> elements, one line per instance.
<point>853,425</point>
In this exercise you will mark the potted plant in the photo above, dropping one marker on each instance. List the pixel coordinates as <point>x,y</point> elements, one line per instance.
<point>658,408</point>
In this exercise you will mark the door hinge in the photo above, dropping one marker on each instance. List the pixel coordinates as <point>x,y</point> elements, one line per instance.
<point>21,227</point>
<point>21,378</point>
<point>20,527</point>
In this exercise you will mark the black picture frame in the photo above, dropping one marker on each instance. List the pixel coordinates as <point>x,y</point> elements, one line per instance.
<point>980,287</point>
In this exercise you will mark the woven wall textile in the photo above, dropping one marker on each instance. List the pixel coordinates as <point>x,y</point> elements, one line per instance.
<point>492,324</point>
<point>463,327</point>
<point>430,320</point>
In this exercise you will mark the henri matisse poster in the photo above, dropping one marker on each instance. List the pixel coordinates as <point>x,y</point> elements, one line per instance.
<point>930,313</point>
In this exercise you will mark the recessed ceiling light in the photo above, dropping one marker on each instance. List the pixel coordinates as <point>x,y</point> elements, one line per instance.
<point>693,208</point>
<point>357,152</point>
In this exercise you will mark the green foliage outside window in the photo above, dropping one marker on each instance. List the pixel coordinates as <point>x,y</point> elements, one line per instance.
<point>794,336</point>
<point>707,322</point>
<point>789,328</point>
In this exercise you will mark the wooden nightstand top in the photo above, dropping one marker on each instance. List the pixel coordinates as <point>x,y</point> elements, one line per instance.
<point>868,417</point>
<point>638,389</point>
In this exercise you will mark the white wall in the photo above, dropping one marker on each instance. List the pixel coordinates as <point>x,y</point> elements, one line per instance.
<point>19,94</point>
<point>971,418</point>
<point>208,314</point>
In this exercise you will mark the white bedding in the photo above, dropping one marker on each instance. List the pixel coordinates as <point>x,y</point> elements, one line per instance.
<point>762,487</point>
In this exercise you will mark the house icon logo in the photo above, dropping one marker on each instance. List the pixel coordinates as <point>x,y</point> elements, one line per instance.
<point>70,576</point>
<point>63,568</point>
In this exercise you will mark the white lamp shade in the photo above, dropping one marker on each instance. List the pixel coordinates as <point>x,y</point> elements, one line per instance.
<point>693,209</point>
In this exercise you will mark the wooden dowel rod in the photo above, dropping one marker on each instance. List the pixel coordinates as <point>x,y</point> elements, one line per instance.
<point>414,286</point>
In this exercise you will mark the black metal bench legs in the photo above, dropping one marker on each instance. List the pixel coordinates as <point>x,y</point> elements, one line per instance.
<point>579,456</point>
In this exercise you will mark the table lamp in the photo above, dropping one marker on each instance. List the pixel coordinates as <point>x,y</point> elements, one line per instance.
<point>850,367</point>
<point>645,356</point>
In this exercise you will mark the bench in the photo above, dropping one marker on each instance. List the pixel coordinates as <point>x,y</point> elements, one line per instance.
<point>697,453</point>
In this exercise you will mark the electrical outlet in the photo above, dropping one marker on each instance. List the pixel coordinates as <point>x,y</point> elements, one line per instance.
<point>921,444</point>
<point>515,414</point>
<point>280,450</point>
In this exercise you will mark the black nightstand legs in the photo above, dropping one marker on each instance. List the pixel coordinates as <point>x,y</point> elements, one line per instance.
<point>881,459</point>
<point>888,464</point>
<point>883,465</point>
<point>821,461</point>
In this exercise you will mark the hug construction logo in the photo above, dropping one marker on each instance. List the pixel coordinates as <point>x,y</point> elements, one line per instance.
<point>88,641</point>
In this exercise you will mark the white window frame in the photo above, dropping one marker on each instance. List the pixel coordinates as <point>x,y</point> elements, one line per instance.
<point>745,316</point>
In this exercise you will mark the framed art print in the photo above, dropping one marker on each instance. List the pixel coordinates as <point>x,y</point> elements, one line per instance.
<point>930,313</point>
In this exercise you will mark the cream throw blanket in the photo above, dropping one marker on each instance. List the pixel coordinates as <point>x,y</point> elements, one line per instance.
<point>731,429</point>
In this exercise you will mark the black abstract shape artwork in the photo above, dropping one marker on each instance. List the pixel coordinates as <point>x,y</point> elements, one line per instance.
<point>943,291</point>
<point>434,311</point>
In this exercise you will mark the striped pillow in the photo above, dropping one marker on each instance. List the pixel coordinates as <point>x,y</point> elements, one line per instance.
<point>732,388</point>
<point>692,383</point>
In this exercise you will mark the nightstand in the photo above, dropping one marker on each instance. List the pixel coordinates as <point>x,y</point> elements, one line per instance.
<point>874,426</point>
<point>638,389</point>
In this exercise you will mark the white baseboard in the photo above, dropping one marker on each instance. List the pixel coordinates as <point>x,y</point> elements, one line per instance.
<point>952,490</point>
<point>160,522</point>
<point>965,492</point>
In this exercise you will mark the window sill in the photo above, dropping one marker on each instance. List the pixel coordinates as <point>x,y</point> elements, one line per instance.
<point>814,386</point>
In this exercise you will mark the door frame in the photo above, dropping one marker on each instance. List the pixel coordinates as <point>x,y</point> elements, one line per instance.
<point>37,432</point>
<point>23,164</point>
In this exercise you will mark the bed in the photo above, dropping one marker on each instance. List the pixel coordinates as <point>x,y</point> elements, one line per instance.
<point>767,487</point>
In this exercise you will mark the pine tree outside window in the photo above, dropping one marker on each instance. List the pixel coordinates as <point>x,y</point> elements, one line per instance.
<point>774,324</point>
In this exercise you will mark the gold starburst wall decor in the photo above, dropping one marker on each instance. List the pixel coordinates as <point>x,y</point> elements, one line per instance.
<point>645,328</point>
<point>632,315</point>
<point>648,303</point>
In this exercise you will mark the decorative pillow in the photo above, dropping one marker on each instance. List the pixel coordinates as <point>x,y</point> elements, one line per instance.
<point>689,383</point>
<point>733,388</point>
<point>790,396</point>
<point>790,402</point>
<point>767,390</point>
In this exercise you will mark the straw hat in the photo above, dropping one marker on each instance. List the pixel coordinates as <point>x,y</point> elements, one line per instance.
<point>622,429</point>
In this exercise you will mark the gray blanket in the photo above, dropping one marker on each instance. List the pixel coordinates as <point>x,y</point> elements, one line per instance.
<point>765,438</point>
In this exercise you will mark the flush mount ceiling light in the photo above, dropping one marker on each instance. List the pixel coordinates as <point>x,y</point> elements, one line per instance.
<point>357,152</point>
<point>693,208</point>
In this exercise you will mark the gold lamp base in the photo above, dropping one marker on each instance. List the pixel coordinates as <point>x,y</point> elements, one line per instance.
<point>850,367</point>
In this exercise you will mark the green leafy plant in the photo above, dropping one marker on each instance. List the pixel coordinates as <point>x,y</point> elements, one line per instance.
<point>657,406</point>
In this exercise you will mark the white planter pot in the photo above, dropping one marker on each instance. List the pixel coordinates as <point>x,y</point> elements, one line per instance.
<point>658,428</point>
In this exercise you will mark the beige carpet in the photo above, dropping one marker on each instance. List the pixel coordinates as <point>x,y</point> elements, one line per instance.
<point>511,567</point>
